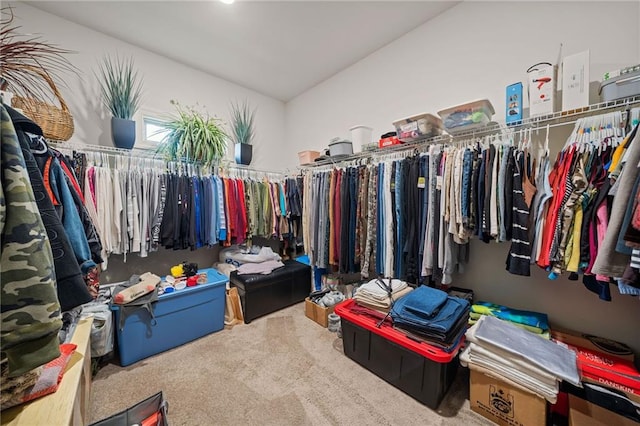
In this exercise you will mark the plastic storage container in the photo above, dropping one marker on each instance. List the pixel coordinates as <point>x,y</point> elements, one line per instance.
<point>416,368</point>
<point>180,317</point>
<point>308,157</point>
<point>420,126</point>
<point>340,148</point>
<point>360,137</point>
<point>469,116</point>
<point>622,86</point>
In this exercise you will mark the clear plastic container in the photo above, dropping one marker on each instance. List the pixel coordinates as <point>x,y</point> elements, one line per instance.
<point>469,116</point>
<point>421,126</point>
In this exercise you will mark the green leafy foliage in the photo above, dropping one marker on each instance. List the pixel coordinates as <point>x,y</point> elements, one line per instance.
<point>121,86</point>
<point>242,125</point>
<point>194,136</point>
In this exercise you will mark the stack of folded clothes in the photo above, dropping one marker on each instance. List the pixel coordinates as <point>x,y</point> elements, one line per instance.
<point>432,316</point>
<point>501,350</point>
<point>251,260</point>
<point>380,294</point>
<point>534,322</point>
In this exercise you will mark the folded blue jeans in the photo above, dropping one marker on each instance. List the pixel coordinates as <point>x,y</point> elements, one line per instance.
<point>437,318</point>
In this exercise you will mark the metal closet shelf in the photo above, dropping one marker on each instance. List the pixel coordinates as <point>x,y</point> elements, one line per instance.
<point>561,118</point>
<point>150,154</point>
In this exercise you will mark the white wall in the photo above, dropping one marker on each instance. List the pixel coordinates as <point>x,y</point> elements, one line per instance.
<point>472,51</point>
<point>164,79</point>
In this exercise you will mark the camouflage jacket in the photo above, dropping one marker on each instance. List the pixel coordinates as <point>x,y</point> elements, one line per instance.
<point>72,290</point>
<point>30,312</point>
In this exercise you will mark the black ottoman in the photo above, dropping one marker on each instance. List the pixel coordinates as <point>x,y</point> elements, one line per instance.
<point>262,294</point>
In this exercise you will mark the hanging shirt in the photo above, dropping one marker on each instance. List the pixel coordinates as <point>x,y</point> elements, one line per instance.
<point>222,222</point>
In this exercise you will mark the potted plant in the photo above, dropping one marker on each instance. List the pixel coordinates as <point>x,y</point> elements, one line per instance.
<point>242,131</point>
<point>194,136</point>
<point>121,88</point>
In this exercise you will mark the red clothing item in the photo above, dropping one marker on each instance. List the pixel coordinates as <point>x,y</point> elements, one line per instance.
<point>557,179</point>
<point>230,211</point>
<point>72,179</point>
<point>92,185</point>
<point>242,213</point>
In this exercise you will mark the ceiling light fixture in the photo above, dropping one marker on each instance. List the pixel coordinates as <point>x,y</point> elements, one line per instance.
<point>227,1</point>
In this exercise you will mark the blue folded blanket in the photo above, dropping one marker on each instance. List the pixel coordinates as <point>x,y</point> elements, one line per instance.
<point>424,308</point>
<point>426,303</point>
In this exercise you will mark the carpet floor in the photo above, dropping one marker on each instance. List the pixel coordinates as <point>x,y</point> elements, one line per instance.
<point>282,369</point>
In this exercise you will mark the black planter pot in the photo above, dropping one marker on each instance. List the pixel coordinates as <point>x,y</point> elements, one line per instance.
<point>244,153</point>
<point>123,132</point>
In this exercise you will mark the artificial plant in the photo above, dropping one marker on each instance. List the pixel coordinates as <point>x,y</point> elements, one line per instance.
<point>242,123</point>
<point>120,85</point>
<point>194,135</point>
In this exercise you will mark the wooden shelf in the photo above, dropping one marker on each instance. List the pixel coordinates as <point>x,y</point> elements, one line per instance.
<point>70,403</point>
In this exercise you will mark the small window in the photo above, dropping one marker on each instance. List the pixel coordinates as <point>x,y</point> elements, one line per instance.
<point>154,130</point>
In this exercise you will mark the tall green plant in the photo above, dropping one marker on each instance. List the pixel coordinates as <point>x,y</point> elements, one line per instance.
<point>194,136</point>
<point>242,125</point>
<point>121,86</point>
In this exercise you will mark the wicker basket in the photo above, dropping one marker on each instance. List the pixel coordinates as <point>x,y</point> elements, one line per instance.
<point>56,123</point>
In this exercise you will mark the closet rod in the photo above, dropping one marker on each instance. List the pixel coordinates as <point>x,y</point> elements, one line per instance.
<point>246,168</point>
<point>540,122</point>
<point>143,154</point>
<point>81,147</point>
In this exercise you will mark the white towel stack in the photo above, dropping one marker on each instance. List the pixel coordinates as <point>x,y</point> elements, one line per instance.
<point>510,354</point>
<point>373,294</point>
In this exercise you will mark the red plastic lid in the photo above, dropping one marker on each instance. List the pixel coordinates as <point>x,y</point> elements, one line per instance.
<point>388,332</point>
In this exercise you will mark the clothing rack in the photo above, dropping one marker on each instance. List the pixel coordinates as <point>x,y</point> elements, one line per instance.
<point>562,118</point>
<point>152,158</point>
<point>242,171</point>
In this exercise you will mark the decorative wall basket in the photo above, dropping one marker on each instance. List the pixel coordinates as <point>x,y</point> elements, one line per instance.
<point>56,122</point>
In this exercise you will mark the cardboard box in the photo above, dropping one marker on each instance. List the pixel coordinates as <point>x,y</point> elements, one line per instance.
<point>575,81</point>
<point>593,343</point>
<point>504,404</point>
<point>514,104</point>
<point>542,89</point>
<point>585,413</point>
<point>602,360</point>
<point>317,312</point>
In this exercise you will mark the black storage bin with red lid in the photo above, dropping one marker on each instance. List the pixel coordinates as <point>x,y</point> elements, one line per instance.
<point>416,368</point>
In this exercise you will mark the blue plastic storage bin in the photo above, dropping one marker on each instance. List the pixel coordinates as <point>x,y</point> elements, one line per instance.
<point>180,317</point>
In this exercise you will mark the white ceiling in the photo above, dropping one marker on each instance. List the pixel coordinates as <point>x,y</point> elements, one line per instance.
<point>280,49</point>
